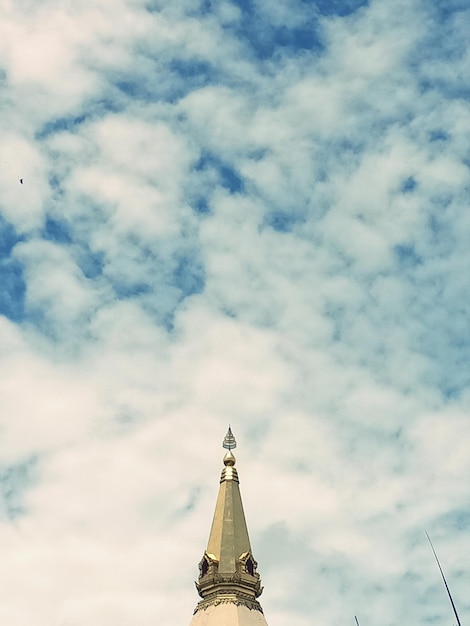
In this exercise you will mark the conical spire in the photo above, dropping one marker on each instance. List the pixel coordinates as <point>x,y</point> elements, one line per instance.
<point>228,538</point>
<point>228,582</point>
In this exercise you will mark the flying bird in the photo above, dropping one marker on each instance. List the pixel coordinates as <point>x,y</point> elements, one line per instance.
<point>21,180</point>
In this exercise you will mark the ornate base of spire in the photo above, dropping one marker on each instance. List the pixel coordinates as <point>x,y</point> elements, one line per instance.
<point>229,598</point>
<point>228,614</point>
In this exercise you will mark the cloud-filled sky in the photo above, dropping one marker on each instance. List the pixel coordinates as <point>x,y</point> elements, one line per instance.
<point>252,212</point>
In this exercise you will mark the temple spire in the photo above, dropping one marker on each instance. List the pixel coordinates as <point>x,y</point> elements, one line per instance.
<point>228,582</point>
<point>228,538</point>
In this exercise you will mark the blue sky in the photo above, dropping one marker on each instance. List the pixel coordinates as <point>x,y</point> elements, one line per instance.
<point>253,213</point>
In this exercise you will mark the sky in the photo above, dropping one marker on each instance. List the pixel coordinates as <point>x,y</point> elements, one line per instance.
<point>245,212</point>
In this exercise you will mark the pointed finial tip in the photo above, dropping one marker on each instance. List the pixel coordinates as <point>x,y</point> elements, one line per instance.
<point>229,443</point>
<point>229,440</point>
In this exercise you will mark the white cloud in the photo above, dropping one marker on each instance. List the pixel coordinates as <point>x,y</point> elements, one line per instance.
<point>205,237</point>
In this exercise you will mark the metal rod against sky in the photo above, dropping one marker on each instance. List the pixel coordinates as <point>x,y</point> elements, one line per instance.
<point>444,579</point>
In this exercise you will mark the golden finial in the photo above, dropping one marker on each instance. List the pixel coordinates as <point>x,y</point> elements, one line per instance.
<point>229,443</point>
<point>229,459</point>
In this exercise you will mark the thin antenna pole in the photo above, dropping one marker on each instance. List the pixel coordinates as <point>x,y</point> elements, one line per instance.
<point>357,621</point>
<point>444,579</point>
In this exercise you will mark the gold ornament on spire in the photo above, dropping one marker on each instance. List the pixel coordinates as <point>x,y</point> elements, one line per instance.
<point>229,443</point>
